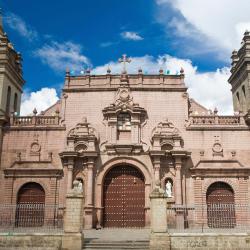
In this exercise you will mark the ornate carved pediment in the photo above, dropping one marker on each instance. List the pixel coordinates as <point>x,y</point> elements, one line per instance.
<point>123,103</point>
<point>165,136</point>
<point>82,137</point>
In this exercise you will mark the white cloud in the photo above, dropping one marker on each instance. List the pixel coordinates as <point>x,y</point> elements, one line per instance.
<point>41,100</point>
<point>59,56</point>
<point>209,88</point>
<point>130,35</point>
<point>221,22</point>
<point>18,24</point>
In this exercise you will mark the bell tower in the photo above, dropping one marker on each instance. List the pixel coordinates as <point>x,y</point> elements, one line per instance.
<point>240,77</point>
<point>11,79</point>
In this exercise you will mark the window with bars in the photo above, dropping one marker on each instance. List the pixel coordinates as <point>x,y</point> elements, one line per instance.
<point>124,122</point>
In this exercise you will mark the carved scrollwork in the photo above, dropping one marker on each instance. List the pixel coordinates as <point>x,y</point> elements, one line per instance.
<point>82,137</point>
<point>165,136</point>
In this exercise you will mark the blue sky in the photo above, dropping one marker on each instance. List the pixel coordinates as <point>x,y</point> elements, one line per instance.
<point>52,35</point>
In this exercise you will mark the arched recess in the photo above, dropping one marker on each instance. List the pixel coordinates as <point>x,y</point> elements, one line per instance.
<point>220,205</point>
<point>100,181</point>
<point>30,205</point>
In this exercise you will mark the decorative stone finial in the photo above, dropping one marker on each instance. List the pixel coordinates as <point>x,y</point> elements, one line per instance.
<point>215,111</point>
<point>67,72</point>
<point>87,71</point>
<point>182,71</point>
<point>234,52</point>
<point>247,33</point>
<point>161,71</point>
<point>140,70</point>
<point>35,111</point>
<point>108,70</point>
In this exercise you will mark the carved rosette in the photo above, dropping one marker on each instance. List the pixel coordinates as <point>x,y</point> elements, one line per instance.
<point>217,148</point>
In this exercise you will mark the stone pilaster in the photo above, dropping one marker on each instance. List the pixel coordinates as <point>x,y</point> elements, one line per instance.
<point>89,208</point>
<point>72,238</point>
<point>159,238</point>
<point>178,194</point>
<point>70,174</point>
<point>157,166</point>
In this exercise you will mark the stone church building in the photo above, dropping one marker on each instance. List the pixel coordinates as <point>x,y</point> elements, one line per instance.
<point>119,135</point>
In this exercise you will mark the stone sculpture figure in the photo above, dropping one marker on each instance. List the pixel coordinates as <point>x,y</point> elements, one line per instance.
<point>168,189</point>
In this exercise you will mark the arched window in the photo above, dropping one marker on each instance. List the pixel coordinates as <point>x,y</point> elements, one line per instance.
<point>220,206</point>
<point>15,102</point>
<point>30,205</point>
<point>124,122</point>
<point>8,101</point>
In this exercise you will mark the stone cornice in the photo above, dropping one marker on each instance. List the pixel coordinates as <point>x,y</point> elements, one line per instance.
<point>36,128</point>
<point>167,88</point>
<point>29,172</point>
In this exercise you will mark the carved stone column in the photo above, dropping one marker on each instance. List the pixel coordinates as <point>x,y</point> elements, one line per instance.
<point>70,174</point>
<point>90,166</point>
<point>178,194</point>
<point>157,166</point>
<point>89,208</point>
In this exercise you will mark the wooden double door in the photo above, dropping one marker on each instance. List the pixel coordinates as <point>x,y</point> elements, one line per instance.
<point>30,206</point>
<point>124,197</point>
<point>220,206</point>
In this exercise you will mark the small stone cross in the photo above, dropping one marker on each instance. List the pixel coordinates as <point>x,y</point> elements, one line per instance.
<point>124,59</point>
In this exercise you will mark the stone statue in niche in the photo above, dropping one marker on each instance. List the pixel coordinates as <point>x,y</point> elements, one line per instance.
<point>168,189</point>
<point>77,186</point>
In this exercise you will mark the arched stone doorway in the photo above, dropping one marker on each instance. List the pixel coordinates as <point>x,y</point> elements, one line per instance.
<point>220,206</point>
<point>124,197</point>
<point>30,205</point>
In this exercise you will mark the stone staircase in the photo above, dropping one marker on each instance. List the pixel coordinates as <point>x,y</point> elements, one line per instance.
<point>116,239</point>
<point>116,245</point>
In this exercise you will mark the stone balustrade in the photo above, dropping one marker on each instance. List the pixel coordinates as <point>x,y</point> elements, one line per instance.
<point>215,120</point>
<point>39,120</point>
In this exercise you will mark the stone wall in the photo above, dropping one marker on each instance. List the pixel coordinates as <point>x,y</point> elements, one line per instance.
<point>30,242</point>
<point>211,241</point>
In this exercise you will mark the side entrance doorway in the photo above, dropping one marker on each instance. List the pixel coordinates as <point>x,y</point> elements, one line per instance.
<point>30,206</point>
<point>124,197</point>
<point>220,206</point>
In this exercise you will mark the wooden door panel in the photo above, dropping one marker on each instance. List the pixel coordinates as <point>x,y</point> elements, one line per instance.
<point>124,198</point>
<point>220,206</point>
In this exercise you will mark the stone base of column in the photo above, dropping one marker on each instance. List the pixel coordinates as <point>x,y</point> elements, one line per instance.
<point>159,241</point>
<point>89,214</point>
<point>72,241</point>
<point>179,219</point>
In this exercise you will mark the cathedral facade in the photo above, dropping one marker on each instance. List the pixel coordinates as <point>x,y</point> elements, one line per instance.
<point>119,136</point>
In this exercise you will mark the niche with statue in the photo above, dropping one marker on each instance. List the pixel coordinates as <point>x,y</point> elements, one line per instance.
<point>169,189</point>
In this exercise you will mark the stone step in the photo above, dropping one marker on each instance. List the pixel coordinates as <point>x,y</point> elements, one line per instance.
<point>116,245</point>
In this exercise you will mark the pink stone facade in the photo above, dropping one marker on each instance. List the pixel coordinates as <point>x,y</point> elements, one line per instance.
<point>167,135</point>
<point>166,141</point>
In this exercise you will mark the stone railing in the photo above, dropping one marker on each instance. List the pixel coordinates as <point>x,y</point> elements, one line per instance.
<point>215,120</point>
<point>34,120</point>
